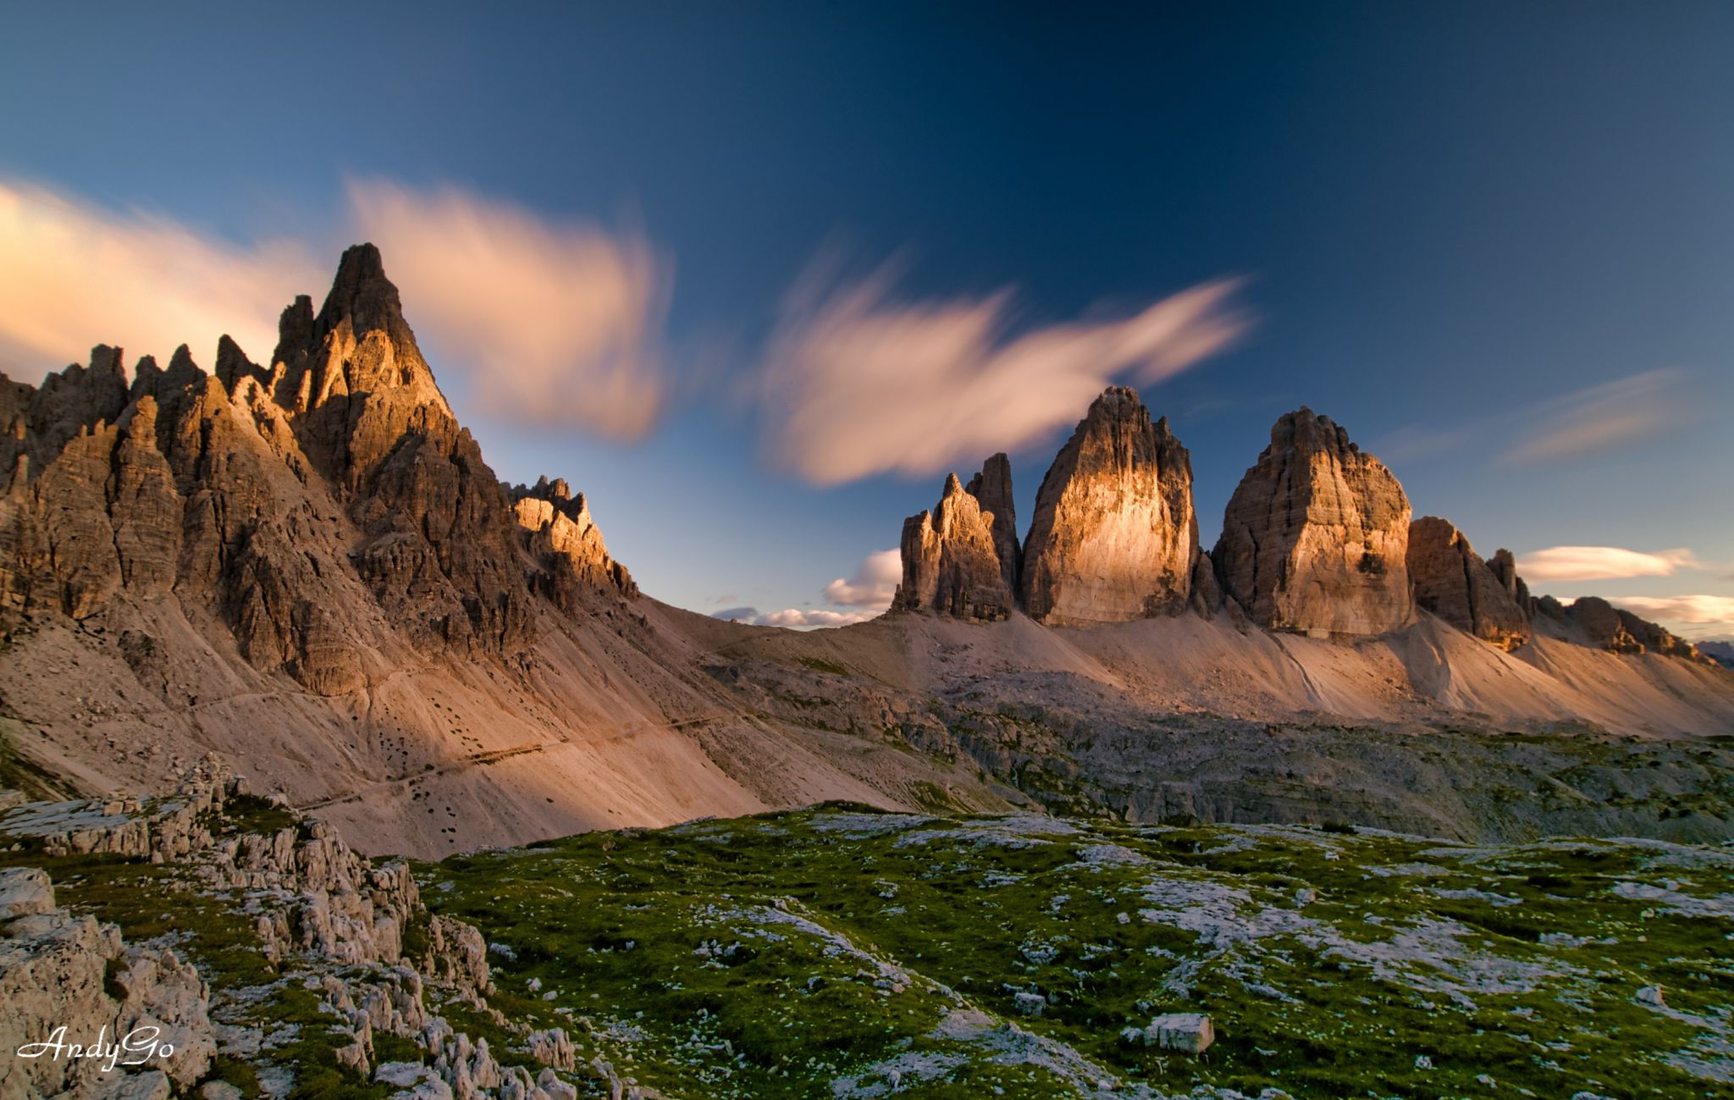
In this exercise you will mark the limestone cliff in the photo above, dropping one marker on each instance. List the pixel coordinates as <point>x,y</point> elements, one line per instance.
<point>1315,538</point>
<point>1114,535</point>
<point>993,488</point>
<point>951,564</point>
<point>568,544</point>
<point>1453,582</point>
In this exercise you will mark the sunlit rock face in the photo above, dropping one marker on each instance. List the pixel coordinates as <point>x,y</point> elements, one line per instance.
<point>575,560</point>
<point>950,561</point>
<point>1114,535</point>
<point>993,488</point>
<point>1453,582</point>
<point>1315,538</point>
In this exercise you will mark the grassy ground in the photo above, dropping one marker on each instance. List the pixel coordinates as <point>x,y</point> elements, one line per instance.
<point>840,953</point>
<point>844,953</point>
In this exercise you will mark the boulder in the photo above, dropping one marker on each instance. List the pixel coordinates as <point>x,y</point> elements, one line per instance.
<point>1315,538</point>
<point>1114,536</point>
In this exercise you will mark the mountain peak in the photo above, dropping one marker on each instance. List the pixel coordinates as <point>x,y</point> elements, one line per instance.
<point>362,295</point>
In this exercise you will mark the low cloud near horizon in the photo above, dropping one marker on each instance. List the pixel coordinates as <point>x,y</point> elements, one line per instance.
<point>554,323</point>
<point>1694,617</point>
<point>1600,563</point>
<point>858,384</point>
<point>868,593</point>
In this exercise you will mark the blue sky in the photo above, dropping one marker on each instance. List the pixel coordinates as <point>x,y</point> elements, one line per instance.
<point>1493,240</point>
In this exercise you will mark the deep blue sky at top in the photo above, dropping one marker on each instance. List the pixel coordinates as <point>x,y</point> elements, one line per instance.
<point>1451,214</point>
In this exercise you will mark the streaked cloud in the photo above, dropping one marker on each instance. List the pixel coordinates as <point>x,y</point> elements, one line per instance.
<point>559,322</point>
<point>1602,417</point>
<point>73,274</point>
<point>555,323</point>
<point>873,585</point>
<point>1696,616</point>
<point>1600,563</point>
<point>858,383</point>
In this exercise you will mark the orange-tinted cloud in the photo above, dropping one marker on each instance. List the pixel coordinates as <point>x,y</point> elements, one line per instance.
<point>1599,563</point>
<point>1696,616</point>
<point>857,384</point>
<point>559,323</point>
<point>555,323</point>
<point>73,274</point>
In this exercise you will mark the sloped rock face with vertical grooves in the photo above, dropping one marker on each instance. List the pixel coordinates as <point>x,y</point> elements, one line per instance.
<point>1453,582</point>
<point>1114,536</point>
<point>993,488</point>
<point>951,565</point>
<point>1315,538</point>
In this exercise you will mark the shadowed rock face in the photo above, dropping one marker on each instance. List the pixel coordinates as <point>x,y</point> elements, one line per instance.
<point>1114,535</point>
<point>1454,583</point>
<point>950,563</point>
<point>1601,624</point>
<point>1315,538</point>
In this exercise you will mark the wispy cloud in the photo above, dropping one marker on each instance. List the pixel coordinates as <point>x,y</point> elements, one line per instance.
<point>1599,563</point>
<point>1696,616</point>
<point>73,274</point>
<point>1601,417</point>
<point>858,384</point>
<point>560,322</point>
<point>873,585</point>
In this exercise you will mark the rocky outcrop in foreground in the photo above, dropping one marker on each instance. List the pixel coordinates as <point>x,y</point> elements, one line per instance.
<point>1114,535</point>
<point>1315,538</point>
<point>1453,582</point>
<point>352,936</point>
<point>951,564</point>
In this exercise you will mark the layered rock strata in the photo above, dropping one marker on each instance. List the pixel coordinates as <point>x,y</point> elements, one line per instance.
<point>1315,538</point>
<point>1114,536</point>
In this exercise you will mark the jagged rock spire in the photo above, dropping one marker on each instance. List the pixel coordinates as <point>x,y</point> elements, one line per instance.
<point>950,563</point>
<point>993,488</point>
